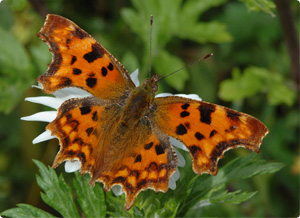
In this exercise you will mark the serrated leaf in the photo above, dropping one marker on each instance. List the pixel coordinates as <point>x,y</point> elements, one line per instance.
<point>267,6</point>
<point>239,168</point>
<point>57,193</point>
<point>238,88</point>
<point>206,32</point>
<point>90,199</point>
<point>254,80</point>
<point>187,26</point>
<point>26,211</point>
<point>232,197</point>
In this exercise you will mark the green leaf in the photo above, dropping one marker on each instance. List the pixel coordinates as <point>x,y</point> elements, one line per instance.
<point>172,18</point>
<point>241,86</point>
<point>17,5</point>
<point>205,32</point>
<point>239,168</point>
<point>255,80</point>
<point>232,197</point>
<point>267,6</point>
<point>26,211</point>
<point>280,93</point>
<point>15,70</point>
<point>90,199</point>
<point>165,63</point>
<point>57,193</point>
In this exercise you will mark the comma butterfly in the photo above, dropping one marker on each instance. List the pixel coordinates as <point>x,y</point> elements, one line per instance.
<point>120,133</point>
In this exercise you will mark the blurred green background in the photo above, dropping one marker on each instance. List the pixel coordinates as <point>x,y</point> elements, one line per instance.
<point>255,69</point>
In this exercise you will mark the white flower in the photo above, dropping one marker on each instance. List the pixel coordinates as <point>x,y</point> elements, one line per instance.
<point>67,93</point>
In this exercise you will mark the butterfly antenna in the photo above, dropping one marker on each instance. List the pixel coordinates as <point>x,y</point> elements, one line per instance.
<point>188,65</point>
<point>151,23</point>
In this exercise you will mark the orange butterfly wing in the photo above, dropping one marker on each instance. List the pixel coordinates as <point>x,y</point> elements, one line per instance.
<point>142,158</point>
<point>149,165</point>
<point>207,130</point>
<point>80,61</point>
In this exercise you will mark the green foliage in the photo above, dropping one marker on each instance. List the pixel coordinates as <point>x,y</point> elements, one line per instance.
<point>26,211</point>
<point>15,68</point>
<point>250,57</point>
<point>193,192</point>
<point>267,6</point>
<point>90,199</point>
<point>57,193</point>
<point>257,80</point>
<point>240,168</point>
<point>185,26</point>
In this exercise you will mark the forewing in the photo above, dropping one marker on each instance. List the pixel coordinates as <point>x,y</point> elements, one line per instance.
<point>80,61</point>
<point>207,130</point>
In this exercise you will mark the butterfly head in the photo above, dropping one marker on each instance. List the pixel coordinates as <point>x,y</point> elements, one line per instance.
<point>150,85</point>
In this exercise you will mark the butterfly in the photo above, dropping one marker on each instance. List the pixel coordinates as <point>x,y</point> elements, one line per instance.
<point>120,133</point>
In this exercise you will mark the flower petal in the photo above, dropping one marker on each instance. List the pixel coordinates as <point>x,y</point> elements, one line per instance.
<point>71,92</point>
<point>163,95</point>
<point>45,116</point>
<point>134,77</point>
<point>117,190</point>
<point>72,166</point>
<point>176,175</point>
<point>178,144</point>
<point>38,86</point>
<point>172,183</point>
<point>180,158</point>
<point>43,137</point>
<point>191,96</point>
<point>45,100</point>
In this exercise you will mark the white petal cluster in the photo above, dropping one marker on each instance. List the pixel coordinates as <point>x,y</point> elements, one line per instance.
<point>62,95</point>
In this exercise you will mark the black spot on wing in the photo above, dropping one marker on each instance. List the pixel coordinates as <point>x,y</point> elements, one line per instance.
<point>76,71</point>
<point>85,110</point>
<point>148,146</point>
<point>185,106</point>
<point>159,150</point>
<point>103,71</point>
<point>110,66</point>
<point>89,131</point>
<point>205,112</point>
<point>181,130</point>
<point>199,136</point>
<point>95,116</point>
<point>91,82</point>
<point>233,115</point>
<point>94,54</point>
<point>212,133</point>
<point>74,59</point>
<point>184,114</point>
<point>138,159</point>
